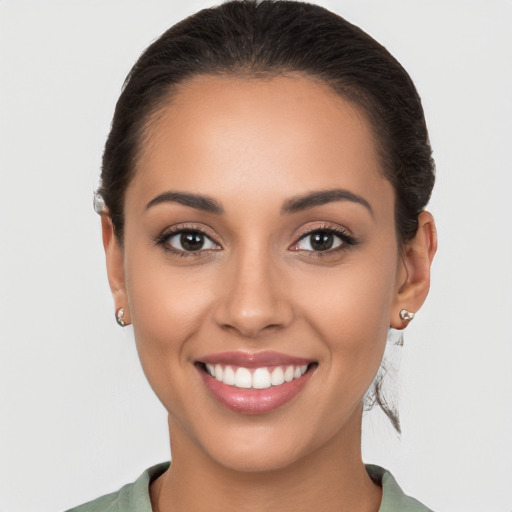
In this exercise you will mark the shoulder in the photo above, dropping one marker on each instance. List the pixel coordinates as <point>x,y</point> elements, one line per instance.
<point>132,497</point>
<point>393,498</point>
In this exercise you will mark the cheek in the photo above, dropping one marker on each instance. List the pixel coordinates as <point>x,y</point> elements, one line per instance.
<point>167,307</point>
<point>350,311</point>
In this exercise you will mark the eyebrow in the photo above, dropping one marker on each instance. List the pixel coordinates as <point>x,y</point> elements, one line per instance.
<point>321,197</point>
<point>292,205</point>
<point>196,201</point>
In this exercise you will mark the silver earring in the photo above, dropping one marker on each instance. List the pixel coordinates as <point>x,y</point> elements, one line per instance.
<point>119,317</point>
<point>406,315</point>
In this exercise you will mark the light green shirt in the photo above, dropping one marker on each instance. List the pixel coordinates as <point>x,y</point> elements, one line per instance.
<point>135,497</point>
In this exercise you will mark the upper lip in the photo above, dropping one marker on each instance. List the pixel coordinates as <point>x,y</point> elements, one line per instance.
<point>254,359</point>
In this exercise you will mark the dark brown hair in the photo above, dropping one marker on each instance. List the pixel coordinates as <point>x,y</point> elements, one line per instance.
<point>261,39</point>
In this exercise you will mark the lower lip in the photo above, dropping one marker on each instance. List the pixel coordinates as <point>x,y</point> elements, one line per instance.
<point>255,401</point>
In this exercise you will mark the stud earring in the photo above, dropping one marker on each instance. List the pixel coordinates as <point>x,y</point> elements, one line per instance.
<point>406,315</point>
<point>119,317</point>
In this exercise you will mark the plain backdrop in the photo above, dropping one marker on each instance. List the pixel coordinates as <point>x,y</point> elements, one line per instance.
<point>77,418</point>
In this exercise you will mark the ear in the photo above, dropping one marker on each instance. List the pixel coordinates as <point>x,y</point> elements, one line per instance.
<point>413,276</point>
<point>115,268</point>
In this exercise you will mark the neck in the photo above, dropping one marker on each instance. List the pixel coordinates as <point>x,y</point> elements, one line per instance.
<point>332,479</point>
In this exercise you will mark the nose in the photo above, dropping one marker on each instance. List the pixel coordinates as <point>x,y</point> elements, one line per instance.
<point>254,296</point>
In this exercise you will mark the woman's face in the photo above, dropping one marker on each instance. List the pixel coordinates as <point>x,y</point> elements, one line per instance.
<point>259,237</point>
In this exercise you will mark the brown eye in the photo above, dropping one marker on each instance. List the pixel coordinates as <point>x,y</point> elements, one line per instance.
<point>318,241</point>
<point>190,241</point>
<point>322,241</point>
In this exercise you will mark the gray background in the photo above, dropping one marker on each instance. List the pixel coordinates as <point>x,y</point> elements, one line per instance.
<point>77,418</point>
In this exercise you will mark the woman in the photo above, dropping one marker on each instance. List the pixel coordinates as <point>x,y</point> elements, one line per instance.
<point>262,202</point>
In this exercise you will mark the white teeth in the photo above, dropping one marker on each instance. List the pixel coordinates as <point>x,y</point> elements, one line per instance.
<point>243,378</point>
<point>277,376</point>
<point>259,378</point>
<point>229,376</point>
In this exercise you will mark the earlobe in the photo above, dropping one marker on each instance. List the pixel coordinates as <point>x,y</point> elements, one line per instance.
<point>414,275</point>
<point>115,268</point>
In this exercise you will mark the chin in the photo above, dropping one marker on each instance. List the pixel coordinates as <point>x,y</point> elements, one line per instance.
<point>255,461</point>
<point>265,446</point>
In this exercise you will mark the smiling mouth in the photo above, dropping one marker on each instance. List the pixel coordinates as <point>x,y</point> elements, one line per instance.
<point>254,383</point>
<point>256,378</point>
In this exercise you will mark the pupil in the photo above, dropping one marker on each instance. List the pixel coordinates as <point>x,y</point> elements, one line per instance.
<point>192,241</point>
<point>322,241</point>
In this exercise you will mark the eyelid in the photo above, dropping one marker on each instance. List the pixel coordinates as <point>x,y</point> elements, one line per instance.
<point>171,231</point>
<point>313,227</point>
<point>346,236</point>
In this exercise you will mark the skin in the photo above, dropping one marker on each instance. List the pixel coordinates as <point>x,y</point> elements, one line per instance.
<point>252,145</point>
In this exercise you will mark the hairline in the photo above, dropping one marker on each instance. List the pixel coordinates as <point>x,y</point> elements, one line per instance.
<point>354,94</point>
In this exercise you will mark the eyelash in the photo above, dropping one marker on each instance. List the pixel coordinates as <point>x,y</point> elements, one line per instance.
<point>163,239</point>
<point>347,240</point>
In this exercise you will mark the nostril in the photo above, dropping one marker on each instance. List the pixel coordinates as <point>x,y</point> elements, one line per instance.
<point>273,327</point>
<point>251,330</point>
<point>253,305</point>
<point>251,325</point>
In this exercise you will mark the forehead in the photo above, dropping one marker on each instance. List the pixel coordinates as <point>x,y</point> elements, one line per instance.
<point>224,135</point>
